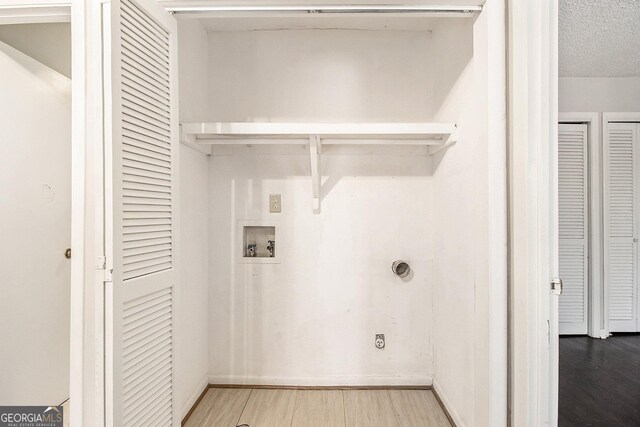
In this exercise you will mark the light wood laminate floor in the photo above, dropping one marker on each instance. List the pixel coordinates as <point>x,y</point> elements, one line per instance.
<point>231,407</point>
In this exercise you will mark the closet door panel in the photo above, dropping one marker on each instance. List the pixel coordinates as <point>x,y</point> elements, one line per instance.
<point>573,228</point>
<point>141,155</point>
<point>621,187</point>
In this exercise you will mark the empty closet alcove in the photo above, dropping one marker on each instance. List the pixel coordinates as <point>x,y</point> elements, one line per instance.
<point>384,135</point>
<point>381,137</point>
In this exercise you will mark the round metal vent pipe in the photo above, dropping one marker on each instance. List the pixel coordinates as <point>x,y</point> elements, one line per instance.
<point>400,268</point>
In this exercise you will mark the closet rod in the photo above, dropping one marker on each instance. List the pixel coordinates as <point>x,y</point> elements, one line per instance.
<point>355,9</point>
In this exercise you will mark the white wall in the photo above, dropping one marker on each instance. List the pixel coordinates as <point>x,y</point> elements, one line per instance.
<point>320,75</point>
<point>460,222</point>
<point>49,44</point>
<point>312,319</point>
<point>35,225</point>
<point>193,75</point>
<point>599,94</point>
<point>192,364</point>
<point>192,368</point>
<point>470,228</point>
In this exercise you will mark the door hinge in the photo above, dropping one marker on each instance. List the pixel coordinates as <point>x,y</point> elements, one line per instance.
<point>101,265</point>
<point>556,286</point>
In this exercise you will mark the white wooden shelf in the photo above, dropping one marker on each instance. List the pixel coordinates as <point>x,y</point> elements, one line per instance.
<point>330,133</point>
<point>437,136</point>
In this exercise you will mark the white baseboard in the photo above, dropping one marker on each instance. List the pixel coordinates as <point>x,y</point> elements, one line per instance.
<point>192,399</point>
<point>447,404</point>
<point>324,381</point>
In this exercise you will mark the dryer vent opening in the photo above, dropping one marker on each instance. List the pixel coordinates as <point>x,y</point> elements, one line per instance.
<point>401,269</point>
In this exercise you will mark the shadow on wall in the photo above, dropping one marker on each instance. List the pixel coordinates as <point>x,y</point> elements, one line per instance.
<point>49,43</point>
<point>336,163</point>
<point>454,91</point>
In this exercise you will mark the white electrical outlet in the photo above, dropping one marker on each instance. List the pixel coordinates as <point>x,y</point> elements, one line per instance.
<point>380,343</point>
<point>275,203</point>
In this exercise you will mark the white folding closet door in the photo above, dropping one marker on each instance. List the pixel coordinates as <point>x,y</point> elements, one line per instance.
<point>141,158</point>
<point>573,228</point>
<point>621,204</point>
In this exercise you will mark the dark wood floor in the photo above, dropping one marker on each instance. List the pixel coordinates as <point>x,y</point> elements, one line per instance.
<point>600,381</point>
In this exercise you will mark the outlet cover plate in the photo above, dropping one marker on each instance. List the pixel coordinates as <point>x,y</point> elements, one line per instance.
<point>380,341</point>
<point>275,203</point>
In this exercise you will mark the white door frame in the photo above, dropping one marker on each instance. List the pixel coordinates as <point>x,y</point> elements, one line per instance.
<point>85,382</point>
<point>612,117</point>
<point>533,230</point>
<point>596,316</point>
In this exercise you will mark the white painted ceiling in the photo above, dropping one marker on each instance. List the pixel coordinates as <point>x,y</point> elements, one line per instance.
<point>599,38</point>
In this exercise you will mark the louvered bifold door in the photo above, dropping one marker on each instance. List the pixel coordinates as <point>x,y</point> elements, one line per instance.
<point>620,196</point>
<point>573,228</point>
<point>141,157</point>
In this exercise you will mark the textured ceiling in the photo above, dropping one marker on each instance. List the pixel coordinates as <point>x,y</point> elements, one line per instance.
<point>599,38</point>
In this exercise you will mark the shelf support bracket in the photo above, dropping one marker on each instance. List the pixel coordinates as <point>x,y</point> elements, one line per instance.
<point>450,141</point>
<point>315,147</point>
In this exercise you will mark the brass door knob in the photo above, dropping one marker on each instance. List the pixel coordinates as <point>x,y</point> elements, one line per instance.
<point>67,253</point>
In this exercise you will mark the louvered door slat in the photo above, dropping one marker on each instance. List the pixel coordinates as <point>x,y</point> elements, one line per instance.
<point>147,355</point>
<point>135,245</point>
<point>148,88</point>
<point>143,239</point>
<point>141,333</point>
<point>142,69</point>
<point>145,183</point>
<point>159,33</point>
<point>145,119</point>
<point>156,402</point>
<point>139,152</point>
<point>142,374</point>
<point>147,318</point>
<point>134,132</point>
<point>146,267</point>
<point>137,403</point>
<point>160,340</point>
<point>154,127</point>
<point>135,100</point>
<point>620,226</point>
<point>129,27</point>
<point>137,168</point>
<point>147,61</point>
<point>573,228</point>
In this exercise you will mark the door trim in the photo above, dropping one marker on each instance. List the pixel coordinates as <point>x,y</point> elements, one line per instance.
<point>87,279</point>
<point>532,52</point>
